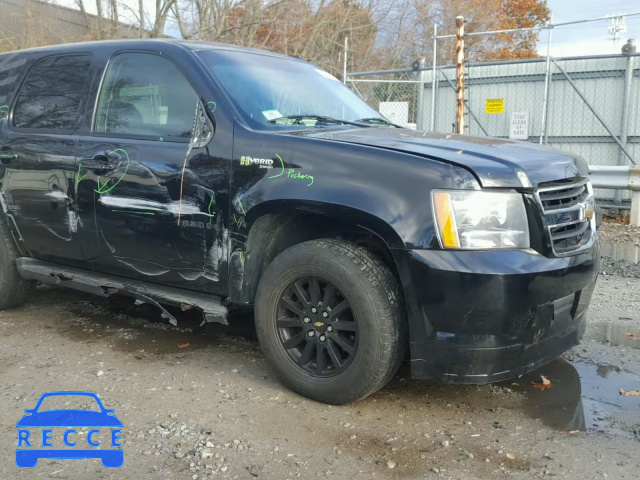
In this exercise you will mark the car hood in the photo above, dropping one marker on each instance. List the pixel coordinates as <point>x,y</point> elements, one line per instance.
<point>69,418</point>
<point>495,162</point>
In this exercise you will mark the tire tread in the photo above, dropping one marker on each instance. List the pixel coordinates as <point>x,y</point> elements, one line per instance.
<point>392,323</point>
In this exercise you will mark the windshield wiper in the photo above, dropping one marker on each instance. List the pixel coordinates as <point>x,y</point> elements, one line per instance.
<point>319,119</point>
<point>381,121</point>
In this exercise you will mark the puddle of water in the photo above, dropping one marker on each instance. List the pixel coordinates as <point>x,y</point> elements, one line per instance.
<point>621,251</point>
<point>584,397</point>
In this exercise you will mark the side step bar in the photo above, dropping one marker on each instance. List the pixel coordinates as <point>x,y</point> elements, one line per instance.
<point>105,285</point>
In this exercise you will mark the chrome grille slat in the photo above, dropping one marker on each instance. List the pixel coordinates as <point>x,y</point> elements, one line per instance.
<point>572,230</point>
<point>562,196</point>
<point>573,193</point>
<point>564,207</point>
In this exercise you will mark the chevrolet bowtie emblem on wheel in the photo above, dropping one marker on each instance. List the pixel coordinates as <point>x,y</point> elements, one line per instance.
<point>318,324</point>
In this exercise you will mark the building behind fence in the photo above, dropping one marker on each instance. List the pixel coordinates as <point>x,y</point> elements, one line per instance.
<point>587,105</point>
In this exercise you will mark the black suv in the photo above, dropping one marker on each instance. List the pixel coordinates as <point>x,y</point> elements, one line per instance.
<point>207,176</point>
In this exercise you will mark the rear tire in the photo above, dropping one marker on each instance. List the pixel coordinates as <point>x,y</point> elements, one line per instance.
<point>336,347</point>
<point>14,290</point>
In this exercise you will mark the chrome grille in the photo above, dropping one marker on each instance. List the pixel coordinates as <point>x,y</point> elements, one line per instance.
<point>569,215</point>
<point>563,197</point>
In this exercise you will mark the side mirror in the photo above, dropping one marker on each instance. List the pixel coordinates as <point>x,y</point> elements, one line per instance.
<point>203,128</point>
<point>28,410</point>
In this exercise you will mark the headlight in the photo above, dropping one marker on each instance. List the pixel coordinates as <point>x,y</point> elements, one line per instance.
<point>477,220</point>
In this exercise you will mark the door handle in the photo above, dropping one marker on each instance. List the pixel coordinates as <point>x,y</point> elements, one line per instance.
<point>101,161</point>
<point>6,158</point>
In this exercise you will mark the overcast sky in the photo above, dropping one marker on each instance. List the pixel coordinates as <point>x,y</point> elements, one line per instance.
<point>588,38</point>
<point>583,39</point>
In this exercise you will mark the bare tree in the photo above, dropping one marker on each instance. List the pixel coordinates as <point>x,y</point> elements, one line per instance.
<point>163,9</point>
<point>141,17</point>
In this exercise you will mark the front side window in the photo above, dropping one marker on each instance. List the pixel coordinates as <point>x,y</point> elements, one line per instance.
<point>51,94</point>
<point>273,93</point>
<point>145,95</point>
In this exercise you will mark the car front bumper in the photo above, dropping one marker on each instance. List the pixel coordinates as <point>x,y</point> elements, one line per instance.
<point>479,317</point>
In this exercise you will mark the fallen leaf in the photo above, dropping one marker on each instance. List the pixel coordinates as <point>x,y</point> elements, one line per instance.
<point>511,456</point>
<point>632,336</point>
<point>632,393</point>
<point>545,385</point>
<point>574,432</point>
<point>184,345</point>
<point>515,384</point>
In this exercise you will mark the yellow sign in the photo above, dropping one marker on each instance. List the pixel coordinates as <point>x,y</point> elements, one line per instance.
<point>494,105</point>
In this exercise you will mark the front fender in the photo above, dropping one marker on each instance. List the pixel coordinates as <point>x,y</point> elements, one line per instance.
<point>388,191</point>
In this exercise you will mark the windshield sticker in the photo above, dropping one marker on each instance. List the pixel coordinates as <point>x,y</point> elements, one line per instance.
<point>326,74</point>
<point>271,114</point>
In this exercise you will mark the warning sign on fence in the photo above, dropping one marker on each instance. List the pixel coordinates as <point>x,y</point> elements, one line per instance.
<point>494,105</point>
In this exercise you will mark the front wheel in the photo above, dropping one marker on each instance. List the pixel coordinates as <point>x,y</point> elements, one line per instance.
<point>330,320</point>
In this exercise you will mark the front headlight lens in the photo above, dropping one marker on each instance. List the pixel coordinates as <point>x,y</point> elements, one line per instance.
<point>477,220</point>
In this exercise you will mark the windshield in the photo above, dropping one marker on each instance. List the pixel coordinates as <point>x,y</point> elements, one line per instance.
<point>273,93</point>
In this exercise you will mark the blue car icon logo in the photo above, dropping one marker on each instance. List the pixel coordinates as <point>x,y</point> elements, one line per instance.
<point>37,438</point>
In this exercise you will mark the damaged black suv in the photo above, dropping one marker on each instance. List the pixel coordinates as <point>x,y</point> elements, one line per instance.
<point>211,176</point>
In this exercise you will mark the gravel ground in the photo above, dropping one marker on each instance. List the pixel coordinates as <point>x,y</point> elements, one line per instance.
<point>619,233</point>
<point>620,250</point>
<point>212,409</point>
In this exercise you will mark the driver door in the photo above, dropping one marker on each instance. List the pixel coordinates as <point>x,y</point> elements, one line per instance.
<point>146,186</point>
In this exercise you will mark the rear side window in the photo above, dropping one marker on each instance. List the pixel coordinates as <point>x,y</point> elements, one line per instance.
<point>51,94</point>
<point>146,95</point>
<point>11,66</point>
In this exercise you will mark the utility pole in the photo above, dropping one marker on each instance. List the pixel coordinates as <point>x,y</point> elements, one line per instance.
<point>617,28</point>
<point>460,72</point>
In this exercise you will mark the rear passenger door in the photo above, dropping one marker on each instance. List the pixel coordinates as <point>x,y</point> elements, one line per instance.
<point>37,146</point>
<point>146,197</point>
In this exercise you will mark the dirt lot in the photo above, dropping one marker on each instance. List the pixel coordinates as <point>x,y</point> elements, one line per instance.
<point>212,409</point>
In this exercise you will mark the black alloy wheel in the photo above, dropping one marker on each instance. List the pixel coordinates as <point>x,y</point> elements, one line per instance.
<point>317,327</point>
<point>330,320</point>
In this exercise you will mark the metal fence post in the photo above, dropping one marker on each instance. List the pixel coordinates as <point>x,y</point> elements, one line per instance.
<point>624,122</point>
<point>433,78</point>
<point>420,86</point>
<point>460,73</point>
<point>634,186</point>
<point>344,66</point>
<point>545,98</point>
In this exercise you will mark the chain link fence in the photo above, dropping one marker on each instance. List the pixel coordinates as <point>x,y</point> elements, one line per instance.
<point>586,105</point>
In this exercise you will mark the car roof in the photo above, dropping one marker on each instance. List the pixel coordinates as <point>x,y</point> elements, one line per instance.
<point>144,43</point>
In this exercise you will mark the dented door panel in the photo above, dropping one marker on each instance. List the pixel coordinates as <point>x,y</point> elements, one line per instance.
<point>145,219</point>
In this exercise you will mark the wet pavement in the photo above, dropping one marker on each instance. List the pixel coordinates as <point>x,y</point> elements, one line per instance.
<point>583,397</point>
<point>174,387</point>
